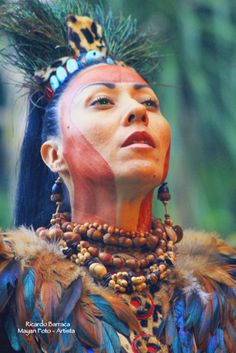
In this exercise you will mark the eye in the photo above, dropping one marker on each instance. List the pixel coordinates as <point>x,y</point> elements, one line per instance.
<point>102,101</point>
<point>150,103</point>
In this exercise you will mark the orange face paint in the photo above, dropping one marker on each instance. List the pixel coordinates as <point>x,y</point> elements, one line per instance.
<point>92,136</point>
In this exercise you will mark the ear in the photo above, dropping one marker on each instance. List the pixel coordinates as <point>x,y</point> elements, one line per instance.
<point>51,152</point>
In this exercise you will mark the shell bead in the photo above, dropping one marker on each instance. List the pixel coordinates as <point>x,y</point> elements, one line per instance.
<point>98,270</point>
<point>71,65</point>
<point>61,74</point>
<point>54,82</point>
<point>93,56</point>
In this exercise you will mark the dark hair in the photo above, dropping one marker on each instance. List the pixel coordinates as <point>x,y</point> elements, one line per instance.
<point>35,180</point>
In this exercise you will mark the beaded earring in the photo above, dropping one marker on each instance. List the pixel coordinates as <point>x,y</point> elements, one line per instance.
<point>164,196</point>
<point>57,193</point>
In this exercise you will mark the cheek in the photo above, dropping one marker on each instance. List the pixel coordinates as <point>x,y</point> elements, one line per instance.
<point>166,164</point>
<point>165,140</point>
<point>83,160</point>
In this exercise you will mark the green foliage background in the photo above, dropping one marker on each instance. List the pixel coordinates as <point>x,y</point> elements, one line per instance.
<point>197,87</point>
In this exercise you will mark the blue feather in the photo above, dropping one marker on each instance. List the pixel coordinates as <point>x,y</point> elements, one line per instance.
<point>216,313</point>
<point>203,326</point>
<point>12,333</point>
<point>161,329</point>
<point>111,339</point>
<point>212,345</point>
<point>109,315</point>
<point>176,345</point>
<point>8,280</point>
<point>66,338</point>
<point>37,319</point>
<point>185,337</point>
<point>28,288</point>
<point>220,339</point>
<point>69,300</point>
<point>170,329</point>
<point>193,312</point>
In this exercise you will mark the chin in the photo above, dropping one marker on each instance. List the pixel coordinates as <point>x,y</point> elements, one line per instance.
<point>140,172</point>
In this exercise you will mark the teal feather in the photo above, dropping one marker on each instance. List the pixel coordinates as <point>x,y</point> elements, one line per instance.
<point>36,318</point>
<point>66,338</point>
<point>36,27</point>
<point>111,339</point>
<point>28,289</point>
<point>8,280</point>
<point>176,346</point>
<point>12,333</point>
<point>193,312</point>
<point>109,316</point>
<point>77,347</point>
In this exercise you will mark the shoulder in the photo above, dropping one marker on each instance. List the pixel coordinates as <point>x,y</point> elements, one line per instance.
<point>202,313</point>
<point>39,285</point>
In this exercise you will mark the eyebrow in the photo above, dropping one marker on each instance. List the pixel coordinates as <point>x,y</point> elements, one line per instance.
<point>111,85</point>
<point>140,85</point>
<point>106,84</point>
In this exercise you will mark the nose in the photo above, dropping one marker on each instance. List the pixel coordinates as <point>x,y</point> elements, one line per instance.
<point>136,114</point>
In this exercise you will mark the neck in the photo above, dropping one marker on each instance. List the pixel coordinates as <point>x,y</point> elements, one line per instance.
<point>103,205</point>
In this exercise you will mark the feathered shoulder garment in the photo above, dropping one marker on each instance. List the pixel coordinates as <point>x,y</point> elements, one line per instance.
<point>49,304</point>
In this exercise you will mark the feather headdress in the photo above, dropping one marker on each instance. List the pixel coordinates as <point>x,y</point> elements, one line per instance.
<point>39,36</point>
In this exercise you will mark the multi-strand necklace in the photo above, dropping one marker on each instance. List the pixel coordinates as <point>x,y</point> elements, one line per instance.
<point>124,261</point>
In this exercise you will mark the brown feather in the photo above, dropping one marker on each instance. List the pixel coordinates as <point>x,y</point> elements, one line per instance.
<point>50,294</point>
<point>90,325</point>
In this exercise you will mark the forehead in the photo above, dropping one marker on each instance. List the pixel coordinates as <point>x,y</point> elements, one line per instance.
<point>106,74</point>
<point>96,74</point>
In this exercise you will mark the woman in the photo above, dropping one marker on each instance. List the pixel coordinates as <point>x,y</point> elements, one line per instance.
<point>106,278</point>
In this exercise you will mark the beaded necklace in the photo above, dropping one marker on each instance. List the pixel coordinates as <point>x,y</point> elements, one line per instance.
<point>124,261</point>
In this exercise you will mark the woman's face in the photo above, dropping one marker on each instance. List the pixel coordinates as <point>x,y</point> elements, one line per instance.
<point>112,128</point>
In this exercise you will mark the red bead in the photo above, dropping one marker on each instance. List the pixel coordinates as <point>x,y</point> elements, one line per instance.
<point>85,244</point>
<point>118,262</point>
<point>97,235</point>
<point>110,240</point>
<point>139,242</point>
<point>93,251</point>
<point>132,263</point>
<point>55,233</point>
<point>69,236</point>
<point>106,258</point>
<point>152,242</point>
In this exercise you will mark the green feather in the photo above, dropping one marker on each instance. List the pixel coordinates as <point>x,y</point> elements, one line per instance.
<point>38,34</point>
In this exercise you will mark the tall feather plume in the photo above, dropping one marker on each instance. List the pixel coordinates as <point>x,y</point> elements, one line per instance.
<point>38,35</point>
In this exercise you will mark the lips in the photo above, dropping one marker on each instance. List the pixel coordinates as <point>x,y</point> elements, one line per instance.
<point>139,137</point>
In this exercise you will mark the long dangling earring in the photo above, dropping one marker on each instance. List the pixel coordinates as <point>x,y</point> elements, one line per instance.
<point>164,196</point>
<point>57,197</point>
<point>57,193</point>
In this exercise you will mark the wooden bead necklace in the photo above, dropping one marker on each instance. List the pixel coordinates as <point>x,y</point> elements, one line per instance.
<point>100,247</point>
